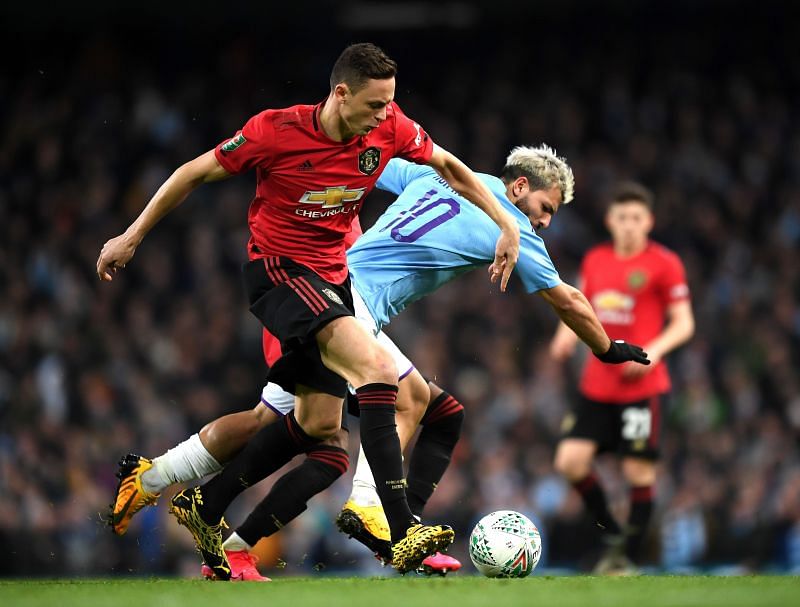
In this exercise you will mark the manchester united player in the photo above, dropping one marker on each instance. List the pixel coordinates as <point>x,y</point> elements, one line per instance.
<point>314,165</point>
<point>638,290</point>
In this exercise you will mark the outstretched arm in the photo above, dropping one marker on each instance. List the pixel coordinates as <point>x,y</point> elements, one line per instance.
<point>119,250</point>
<point>465,182</point>
<point>576,312</point>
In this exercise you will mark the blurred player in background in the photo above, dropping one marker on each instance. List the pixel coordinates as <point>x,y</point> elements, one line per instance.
<point>638,290</point>
<point>314,166</point>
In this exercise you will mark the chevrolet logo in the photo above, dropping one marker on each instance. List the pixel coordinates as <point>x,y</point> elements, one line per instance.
<point>333,197</point>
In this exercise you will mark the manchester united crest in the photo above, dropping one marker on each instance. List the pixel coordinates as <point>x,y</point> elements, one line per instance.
<point>369,160</point>
<point>637,279</point>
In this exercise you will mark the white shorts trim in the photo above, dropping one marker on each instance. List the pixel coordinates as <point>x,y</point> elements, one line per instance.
<point>277,399</point>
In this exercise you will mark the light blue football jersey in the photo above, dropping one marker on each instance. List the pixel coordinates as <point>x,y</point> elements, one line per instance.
<point>430,235</point>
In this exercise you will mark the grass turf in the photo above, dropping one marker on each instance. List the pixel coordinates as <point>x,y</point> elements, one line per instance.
<point>462,591</point>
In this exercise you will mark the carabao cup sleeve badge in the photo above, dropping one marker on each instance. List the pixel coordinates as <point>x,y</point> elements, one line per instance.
<point>232,144</point>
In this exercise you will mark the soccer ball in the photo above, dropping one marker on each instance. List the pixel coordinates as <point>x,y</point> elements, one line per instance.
<point>505,544</point>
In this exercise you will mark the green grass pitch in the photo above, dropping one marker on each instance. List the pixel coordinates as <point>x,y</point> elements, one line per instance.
<point>460,591</point>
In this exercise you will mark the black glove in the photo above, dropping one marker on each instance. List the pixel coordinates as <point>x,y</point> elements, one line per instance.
<point>621,352</point>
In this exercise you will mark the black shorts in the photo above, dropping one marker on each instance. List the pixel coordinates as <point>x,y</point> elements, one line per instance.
<point>629,429</point>
<point>294,303</point>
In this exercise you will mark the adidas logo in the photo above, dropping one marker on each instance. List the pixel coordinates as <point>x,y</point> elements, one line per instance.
<point>305,166</point>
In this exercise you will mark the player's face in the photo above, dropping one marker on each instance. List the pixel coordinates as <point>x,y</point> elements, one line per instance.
<point>366,109</point>
<point>539,205</point>
<point>629,223</point>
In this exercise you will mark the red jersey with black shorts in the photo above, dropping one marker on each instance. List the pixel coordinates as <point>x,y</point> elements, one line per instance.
<point>310,187</point>
<point>309,190</point>
<point>630,296</point>
<point>270,343</point>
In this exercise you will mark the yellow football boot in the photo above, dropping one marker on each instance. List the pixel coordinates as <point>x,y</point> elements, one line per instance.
<point>420,542</point>
<point>131,497</point>
<point>368,525</point>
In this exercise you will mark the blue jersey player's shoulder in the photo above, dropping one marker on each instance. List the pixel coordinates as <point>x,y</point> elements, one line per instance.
<point>399,173</point>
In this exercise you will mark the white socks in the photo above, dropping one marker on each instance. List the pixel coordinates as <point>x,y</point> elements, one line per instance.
<point>234,542</point>
<point>186,462</point>
<point>364,492</point>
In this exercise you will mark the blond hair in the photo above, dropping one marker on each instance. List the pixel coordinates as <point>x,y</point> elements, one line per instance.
<point>542,167</point>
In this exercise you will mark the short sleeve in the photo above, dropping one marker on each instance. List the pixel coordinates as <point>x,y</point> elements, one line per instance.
<point>673,285</point>
<point>398,174</point>
<point>534,265</point>
<point>411,140</point>
<point>252,146</point>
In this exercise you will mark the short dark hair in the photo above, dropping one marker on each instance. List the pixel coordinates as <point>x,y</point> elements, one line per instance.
<point>359,63</point>
<point>630,191</point>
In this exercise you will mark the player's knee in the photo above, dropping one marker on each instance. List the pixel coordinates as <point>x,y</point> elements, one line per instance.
<point>571,465</point>
<point>382,368</point>
<point>638,472</point>
<point>322,428</point>
<point>561,463</point>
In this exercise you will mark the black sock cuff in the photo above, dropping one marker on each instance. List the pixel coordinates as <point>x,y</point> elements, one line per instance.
<point>443,407</point>
<point>438,401</point>
<point>373,397</point>
<point>376,387</point>
<point>331,457</point>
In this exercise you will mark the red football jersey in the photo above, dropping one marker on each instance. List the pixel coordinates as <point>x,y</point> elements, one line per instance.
<point>630,297</point>
<point>270,343</point>
<point>309,188</point>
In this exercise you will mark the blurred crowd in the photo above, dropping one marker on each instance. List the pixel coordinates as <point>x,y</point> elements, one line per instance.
<point>90,370</point>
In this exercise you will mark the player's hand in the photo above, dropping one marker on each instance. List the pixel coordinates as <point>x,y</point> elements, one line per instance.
<point>620,352</point>
<point>633,372</point>
<point>115,254</point>
<point>506,254</point>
